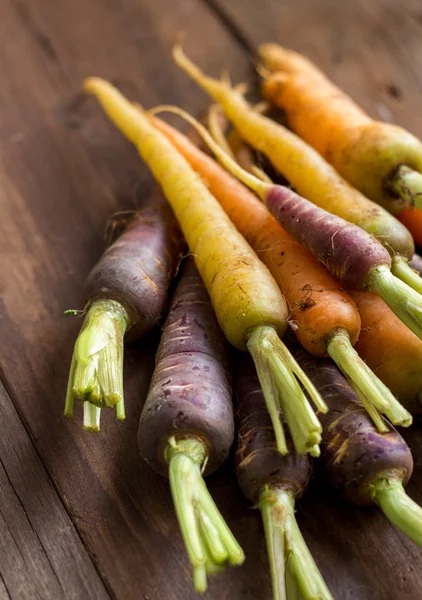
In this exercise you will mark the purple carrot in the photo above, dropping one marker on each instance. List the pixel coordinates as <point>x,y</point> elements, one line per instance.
<point>274,482</point>
<point>351,254</point>
<point>367,467</point>
<point>126,293</point>
<point>416,263</point>
<point>187,425</point>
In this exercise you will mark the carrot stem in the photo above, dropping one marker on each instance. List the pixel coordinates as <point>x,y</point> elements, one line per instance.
<point>279,376</point>
<point>291,564</point>
<point>360,375</point>
<point>402,511</point>
<point>402,299</point>
<point>407,183</point>
<point>96,372</point>
<point>400,268</point>
<point>209,542</point>
<point>92,415</point>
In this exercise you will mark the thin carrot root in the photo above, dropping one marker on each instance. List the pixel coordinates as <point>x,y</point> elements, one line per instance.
<point>209,542</point>
<point>279,376</point>
<point>261,188</point>
<point>215,116</point>
<point>246,160</point>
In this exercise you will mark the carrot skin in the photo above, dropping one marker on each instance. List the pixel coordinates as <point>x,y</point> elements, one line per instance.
<point>390,350</point>
<point>348,251</point>
<point>317,303</point>
<point>354,453</point>
<point>412,219</point>
<point>365,152</point>
<point>258,463</point>
<point>137,268</point>
<point>190,391</point>
<point>303,166</point>
<point>416,263</point>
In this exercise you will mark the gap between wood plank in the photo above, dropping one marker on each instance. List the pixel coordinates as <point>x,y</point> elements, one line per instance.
<point>233,29</point>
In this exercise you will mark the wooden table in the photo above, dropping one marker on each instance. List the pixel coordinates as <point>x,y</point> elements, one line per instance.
<point>80,515</point>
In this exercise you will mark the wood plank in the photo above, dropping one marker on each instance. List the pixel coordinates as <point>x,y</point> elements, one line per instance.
<point>41,554</point>
<point>370,48</point>
<point>64,170</point>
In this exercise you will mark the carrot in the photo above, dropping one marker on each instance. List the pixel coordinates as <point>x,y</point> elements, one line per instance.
<point>416,263</point>
<point>351,254</point>
<point>273,483</point>
<point>412,219</point>
<point>187,422</point>
<point>306,170</point>
<point>126,293</point>
<point>326,320</point>
<point>249,306</point>
<point>367,467</point>
<point>380,159</point>
<point>391,350</point>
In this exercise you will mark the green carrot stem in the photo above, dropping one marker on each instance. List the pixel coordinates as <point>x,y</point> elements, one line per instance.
<point>402,511</point>
<point>400,268</point>
<point>92,415</point>
<point>96,372</point>
<point>402,299</point>
<point>360,375</point>
<point>279,376</point>
<point>209,542</point>
<point>291,563</point>
<point>407,183</point>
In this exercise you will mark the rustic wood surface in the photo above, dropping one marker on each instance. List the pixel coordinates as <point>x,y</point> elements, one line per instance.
<point>80,515</point>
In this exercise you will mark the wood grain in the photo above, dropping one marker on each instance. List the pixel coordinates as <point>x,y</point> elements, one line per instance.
<point>64,170</point>
<point>41,554</point>
<point>370,48</point>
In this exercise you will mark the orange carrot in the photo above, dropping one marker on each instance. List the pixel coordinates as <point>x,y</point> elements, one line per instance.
<point>390,349</point>
<point>412,219</point>
<point>324,318</point>
<point>380,159</point>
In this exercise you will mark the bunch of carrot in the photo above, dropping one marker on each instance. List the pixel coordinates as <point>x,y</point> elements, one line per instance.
<point>322,261</point>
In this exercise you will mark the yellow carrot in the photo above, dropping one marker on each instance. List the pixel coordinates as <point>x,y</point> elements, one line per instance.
<point>248,304</point>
